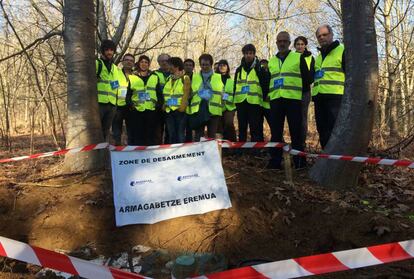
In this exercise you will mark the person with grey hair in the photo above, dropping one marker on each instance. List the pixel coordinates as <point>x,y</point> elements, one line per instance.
<point>289,80</point>
<point>163,73</point>
<point>329,82</point>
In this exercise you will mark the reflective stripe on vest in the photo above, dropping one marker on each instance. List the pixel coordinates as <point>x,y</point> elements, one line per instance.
<point>171,91</point>
<point>144,97</point>
<point>286,79</point>
<point>105,92</point>
<point>215,105</point>
<point>250,81</point>
<point>329,75</point>
<point>228,89</point>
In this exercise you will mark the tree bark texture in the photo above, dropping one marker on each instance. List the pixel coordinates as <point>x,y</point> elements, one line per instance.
<point>353,127</point>
<point>83,123</point>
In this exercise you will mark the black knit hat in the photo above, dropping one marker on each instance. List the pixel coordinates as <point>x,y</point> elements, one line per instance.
<point>107,44</point>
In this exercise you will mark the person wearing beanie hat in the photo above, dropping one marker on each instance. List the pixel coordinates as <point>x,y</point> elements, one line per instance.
<point>109,92</point>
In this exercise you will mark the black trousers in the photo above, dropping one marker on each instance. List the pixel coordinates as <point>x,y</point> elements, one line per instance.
<point>250,116</point>
<point>140,126</point>
<point>282,108</point>
<point>121,115</point>
<point>106,114</point>
<point>306,98</point>
<point>326,112</point>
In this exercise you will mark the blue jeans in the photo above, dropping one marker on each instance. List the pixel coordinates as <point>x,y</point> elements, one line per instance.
<point>176,122</point>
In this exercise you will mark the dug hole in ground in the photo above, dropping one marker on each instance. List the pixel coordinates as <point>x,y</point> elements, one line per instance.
<point>270,220</point>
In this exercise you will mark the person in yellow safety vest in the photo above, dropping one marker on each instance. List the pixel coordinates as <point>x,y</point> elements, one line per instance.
<point>329,83</point>
<point>249,88</point>
<point>205,106</point>
<point>176,93</point>
<point>289,77</point>
<point>189,66</point>
<point>107,76</point>
<point>229,108</point>
<point>143,102</point>
<point>300,45</point>
<point>122,109</point>
<point>264,64</point>
<point>163,73</point>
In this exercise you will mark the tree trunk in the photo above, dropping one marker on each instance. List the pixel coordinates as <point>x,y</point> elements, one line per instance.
<point>353,127</point>
<point>83,122</point>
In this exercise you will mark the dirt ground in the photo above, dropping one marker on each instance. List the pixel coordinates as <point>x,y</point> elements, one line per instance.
<point>270,220</point>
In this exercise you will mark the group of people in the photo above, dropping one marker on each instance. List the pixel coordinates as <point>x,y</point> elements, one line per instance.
<point>177,104</point>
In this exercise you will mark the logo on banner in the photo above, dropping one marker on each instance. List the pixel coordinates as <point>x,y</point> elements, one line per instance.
<point>140,182</point>
<point>185,177</point>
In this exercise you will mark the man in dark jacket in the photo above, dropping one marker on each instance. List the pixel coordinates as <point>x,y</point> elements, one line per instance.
<point>250,89</point>
<point>329,82</point>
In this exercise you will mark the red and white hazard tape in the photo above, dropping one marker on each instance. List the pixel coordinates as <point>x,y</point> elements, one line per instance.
<point>60,262</point>
<point>224,144</point>
<point>358,159</point>
<point>58,152</point>
<point>323,263</point>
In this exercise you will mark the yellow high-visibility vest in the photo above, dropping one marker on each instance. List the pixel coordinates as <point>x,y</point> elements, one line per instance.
<point>144,97</point>
<point>248,88</point>
<point>173,93</point>
<point>286,78</point>
<point>228,99</point>
<point>106,92</point>
<point>215,106</point>
<point>329,75</point>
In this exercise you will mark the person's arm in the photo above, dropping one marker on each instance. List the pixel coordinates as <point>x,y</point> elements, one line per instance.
<point>312,70</point>
<point>160,96</point>
<point>235,80</point>
<point>128,98</point>
<point>343,62</point>
<point>264,80</point>
<point>186,95</point>
<point>305,73</point>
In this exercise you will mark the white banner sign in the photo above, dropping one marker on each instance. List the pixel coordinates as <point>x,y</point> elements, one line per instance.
<point>155,185</point>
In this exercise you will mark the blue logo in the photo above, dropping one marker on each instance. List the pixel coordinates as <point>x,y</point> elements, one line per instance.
<point>185,177</point>
<point>139,182</point>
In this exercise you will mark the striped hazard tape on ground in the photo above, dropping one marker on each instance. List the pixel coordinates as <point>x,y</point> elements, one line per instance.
<point>45,258</point>
<point>224,144</point>
<point>59,152</point>
<point>321,264</point>
<point>292,268</point>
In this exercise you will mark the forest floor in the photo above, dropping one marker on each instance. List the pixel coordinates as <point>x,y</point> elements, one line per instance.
<point>269,220</point>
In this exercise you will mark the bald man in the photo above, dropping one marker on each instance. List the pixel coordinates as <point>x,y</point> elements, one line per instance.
<point>289,78</point>
<point>329,82</point>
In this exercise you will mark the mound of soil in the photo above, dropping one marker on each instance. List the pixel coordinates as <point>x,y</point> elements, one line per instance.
<point>270,219</point>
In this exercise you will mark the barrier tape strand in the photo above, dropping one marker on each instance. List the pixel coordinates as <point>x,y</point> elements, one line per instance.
<point>60,262</point>
<point>323,263</point>
<point>224,144</point>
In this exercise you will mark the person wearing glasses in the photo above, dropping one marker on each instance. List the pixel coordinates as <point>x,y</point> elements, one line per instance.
<point>163,73</point>
<point>329,83</point>
<point>122,110</point>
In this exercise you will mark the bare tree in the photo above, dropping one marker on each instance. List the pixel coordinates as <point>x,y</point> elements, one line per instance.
<point>352,131</point>
<point>83,123</point>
